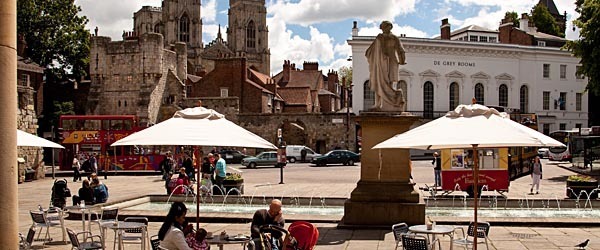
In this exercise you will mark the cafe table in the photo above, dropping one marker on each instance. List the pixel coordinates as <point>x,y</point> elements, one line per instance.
<point>434,231</point>
<point>220,240</point>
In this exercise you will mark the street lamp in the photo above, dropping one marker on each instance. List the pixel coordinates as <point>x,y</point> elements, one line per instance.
<point>347,97</point>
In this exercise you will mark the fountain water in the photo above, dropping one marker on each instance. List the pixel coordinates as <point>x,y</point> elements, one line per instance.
<point>186,193</point>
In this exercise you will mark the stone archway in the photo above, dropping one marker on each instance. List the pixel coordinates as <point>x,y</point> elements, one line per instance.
<point>294,132</point>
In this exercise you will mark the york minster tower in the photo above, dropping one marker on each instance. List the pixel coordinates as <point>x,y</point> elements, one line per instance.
<point>248,33</point>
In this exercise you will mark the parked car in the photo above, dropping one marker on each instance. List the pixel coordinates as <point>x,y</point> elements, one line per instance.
<point>268,158</point>
<point>344,157</point>
<point>543,152</point>
<point>232,156</point>
<point>293,153</point>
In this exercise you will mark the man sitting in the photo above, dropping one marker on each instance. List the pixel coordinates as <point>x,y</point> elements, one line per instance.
<point>263,217</point>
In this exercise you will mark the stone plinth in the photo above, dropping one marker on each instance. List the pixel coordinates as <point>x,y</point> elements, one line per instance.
<point>384,195</point>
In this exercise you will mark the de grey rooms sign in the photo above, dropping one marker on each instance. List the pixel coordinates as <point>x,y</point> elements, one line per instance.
<point>454,63</point>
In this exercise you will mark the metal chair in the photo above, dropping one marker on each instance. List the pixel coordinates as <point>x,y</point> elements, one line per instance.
<point>398,230</point>
<point>134,235</point>
<point>88,240</point>
<point>418,242</point>
<point>26,243</point>
<point>483,229</point>
<point>39,220</point>
<point>155,243</point>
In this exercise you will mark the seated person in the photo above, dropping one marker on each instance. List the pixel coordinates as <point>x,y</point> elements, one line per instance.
<point>86,194</point>
<point>196,240</point>
<point>182,184</point>
<point>263,217</point>
<point>100,190</point>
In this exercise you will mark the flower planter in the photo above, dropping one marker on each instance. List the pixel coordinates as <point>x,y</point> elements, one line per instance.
<point>231,184</point>
<point>574,189</point>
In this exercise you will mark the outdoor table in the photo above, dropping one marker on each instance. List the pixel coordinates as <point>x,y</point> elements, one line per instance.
<point>85,212</point>
<point>122,225</point>
<point>436,230</point>
<point>216,240</point>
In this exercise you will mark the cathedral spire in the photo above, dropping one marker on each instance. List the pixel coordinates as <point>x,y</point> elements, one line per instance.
<point>219,33</point>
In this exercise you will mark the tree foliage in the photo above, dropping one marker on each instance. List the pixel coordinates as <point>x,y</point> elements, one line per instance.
<point>55,35</point>
<point>346,72</point>
<point>514,16</point>
<point>587,47</point>
<point>544,21</point>
<point>61,108</point>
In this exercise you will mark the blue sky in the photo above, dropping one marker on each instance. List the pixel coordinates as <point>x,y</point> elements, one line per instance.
<point>317,30</point>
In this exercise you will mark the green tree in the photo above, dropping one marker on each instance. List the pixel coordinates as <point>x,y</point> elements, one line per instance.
<point>55,35</point>
<point>587,47</point>
<point>61,108</point>
<point>544,21</point>
<point>346,72</point>
<point>512,15</point>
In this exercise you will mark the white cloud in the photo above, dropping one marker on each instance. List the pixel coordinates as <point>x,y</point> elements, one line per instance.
<point>409,31</point>
<point>208,10</point>
<point>307,12</point>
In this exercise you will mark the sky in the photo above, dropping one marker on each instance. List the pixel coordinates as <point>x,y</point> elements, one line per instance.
<point>317,30</point>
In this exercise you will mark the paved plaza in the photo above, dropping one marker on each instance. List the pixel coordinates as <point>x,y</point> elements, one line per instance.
<point>334,181</point>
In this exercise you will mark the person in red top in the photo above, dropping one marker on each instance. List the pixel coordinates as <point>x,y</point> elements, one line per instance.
<point>183,183</point>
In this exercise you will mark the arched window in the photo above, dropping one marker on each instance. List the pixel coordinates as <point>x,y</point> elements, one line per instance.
<point>119,103</point>
<point>428,100</point>
<point>157,28</point>
<point>524,99</point>
<point>251,35</point>
<point>503,95</point>
<point>479,93</point>
<point>454,95</point>
<point>184,28</point>
<point>369,96</point>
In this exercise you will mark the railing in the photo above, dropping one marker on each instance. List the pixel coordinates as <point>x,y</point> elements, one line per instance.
<point>428,114</point>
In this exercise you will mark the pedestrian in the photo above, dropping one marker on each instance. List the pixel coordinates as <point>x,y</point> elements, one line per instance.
<point>437,169</point>
<point>536,175</point>
<point>167,165</point>
<point>188,165</point>
<point>94,163</point>
<point>220,170</point>
<point>76,167</point>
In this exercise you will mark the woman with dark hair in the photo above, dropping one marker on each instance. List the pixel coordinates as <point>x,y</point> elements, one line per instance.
<point>171,232</point>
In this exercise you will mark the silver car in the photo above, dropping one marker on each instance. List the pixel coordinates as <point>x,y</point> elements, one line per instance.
<point>268,158</point>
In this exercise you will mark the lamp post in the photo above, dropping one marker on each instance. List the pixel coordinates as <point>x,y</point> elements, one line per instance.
<point>281,158</point>
<point>347,97</point>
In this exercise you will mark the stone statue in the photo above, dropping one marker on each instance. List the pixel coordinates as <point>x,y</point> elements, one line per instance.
<point>384,55</point>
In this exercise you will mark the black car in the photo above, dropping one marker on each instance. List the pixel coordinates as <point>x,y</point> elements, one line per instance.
<point>232,156</point>
<point>344,157</point>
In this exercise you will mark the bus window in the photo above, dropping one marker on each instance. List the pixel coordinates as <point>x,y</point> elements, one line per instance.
<point>92,125</point>
<point>105,124</point>
<point>128,124</point>
<point>116,125</point>
<point>68,124</point>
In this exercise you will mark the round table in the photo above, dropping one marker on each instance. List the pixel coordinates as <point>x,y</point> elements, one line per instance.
<point>436,230</point>
<point>123,225</point>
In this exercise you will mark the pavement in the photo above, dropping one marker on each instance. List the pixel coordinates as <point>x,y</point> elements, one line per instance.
<point>328,182</point>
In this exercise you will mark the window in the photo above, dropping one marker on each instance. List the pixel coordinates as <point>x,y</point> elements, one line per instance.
<point>129,78</point>
<point>332,107</point>
<point>251,35</point>
<point>546,100</point>
<point>492,39</point>
<point>503,95</point>
<point>562,126</point>
<point>224,92</point>
<point>578,125</point>
<point>524,99</point>
<point>428,100</point>
<point>479,94</point>
<point>269,100</point>
<point>562,101</point>
<point>546,128</point>
<point>24,80</point>
<point>473,38</point>
<point>369,96</point>
<point>454,95</point>
<point>483,39</point>
<point>542,43</point>
<point>578,101</point>
<point>546,70</point>
<point>563,71</point>
<point>184,28</point>
<point>578,73</point>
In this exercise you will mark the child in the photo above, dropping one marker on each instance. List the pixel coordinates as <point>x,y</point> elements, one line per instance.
<point>196,240</point>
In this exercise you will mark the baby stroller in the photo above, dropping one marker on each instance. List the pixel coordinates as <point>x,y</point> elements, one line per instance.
<point>305,234</point>
<point>279,235</point>
<point>60,192</point>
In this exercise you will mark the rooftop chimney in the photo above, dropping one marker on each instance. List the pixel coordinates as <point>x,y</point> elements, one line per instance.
<point>355,29</point>
<point>445,29</point>
<point>524,22</point>
<point>286,73</point>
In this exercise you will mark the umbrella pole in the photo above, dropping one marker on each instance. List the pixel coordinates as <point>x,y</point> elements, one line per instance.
<point>198,181</point>
<point>475,192</point>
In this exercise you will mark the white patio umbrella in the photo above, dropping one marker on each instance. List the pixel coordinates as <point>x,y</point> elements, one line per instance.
<point>470,126</point>
<point>26,139</point>
<point>196,127</point>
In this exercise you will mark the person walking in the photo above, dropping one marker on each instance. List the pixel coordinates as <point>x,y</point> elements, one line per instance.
<point>437,169</point>
<point>76,167</point>
<point>94,163</point>
<point>220,170</point>
<point>536,175</point>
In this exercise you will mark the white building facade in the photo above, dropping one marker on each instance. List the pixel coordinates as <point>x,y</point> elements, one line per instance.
<point>440,74</point>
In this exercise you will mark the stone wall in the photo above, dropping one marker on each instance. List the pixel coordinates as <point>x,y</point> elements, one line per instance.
<point>27,121</point>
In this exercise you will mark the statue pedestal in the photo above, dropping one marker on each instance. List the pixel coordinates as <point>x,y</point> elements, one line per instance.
<point>384,195</point>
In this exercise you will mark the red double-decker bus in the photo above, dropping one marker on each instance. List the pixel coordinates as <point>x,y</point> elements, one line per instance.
<point>83,135</point>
